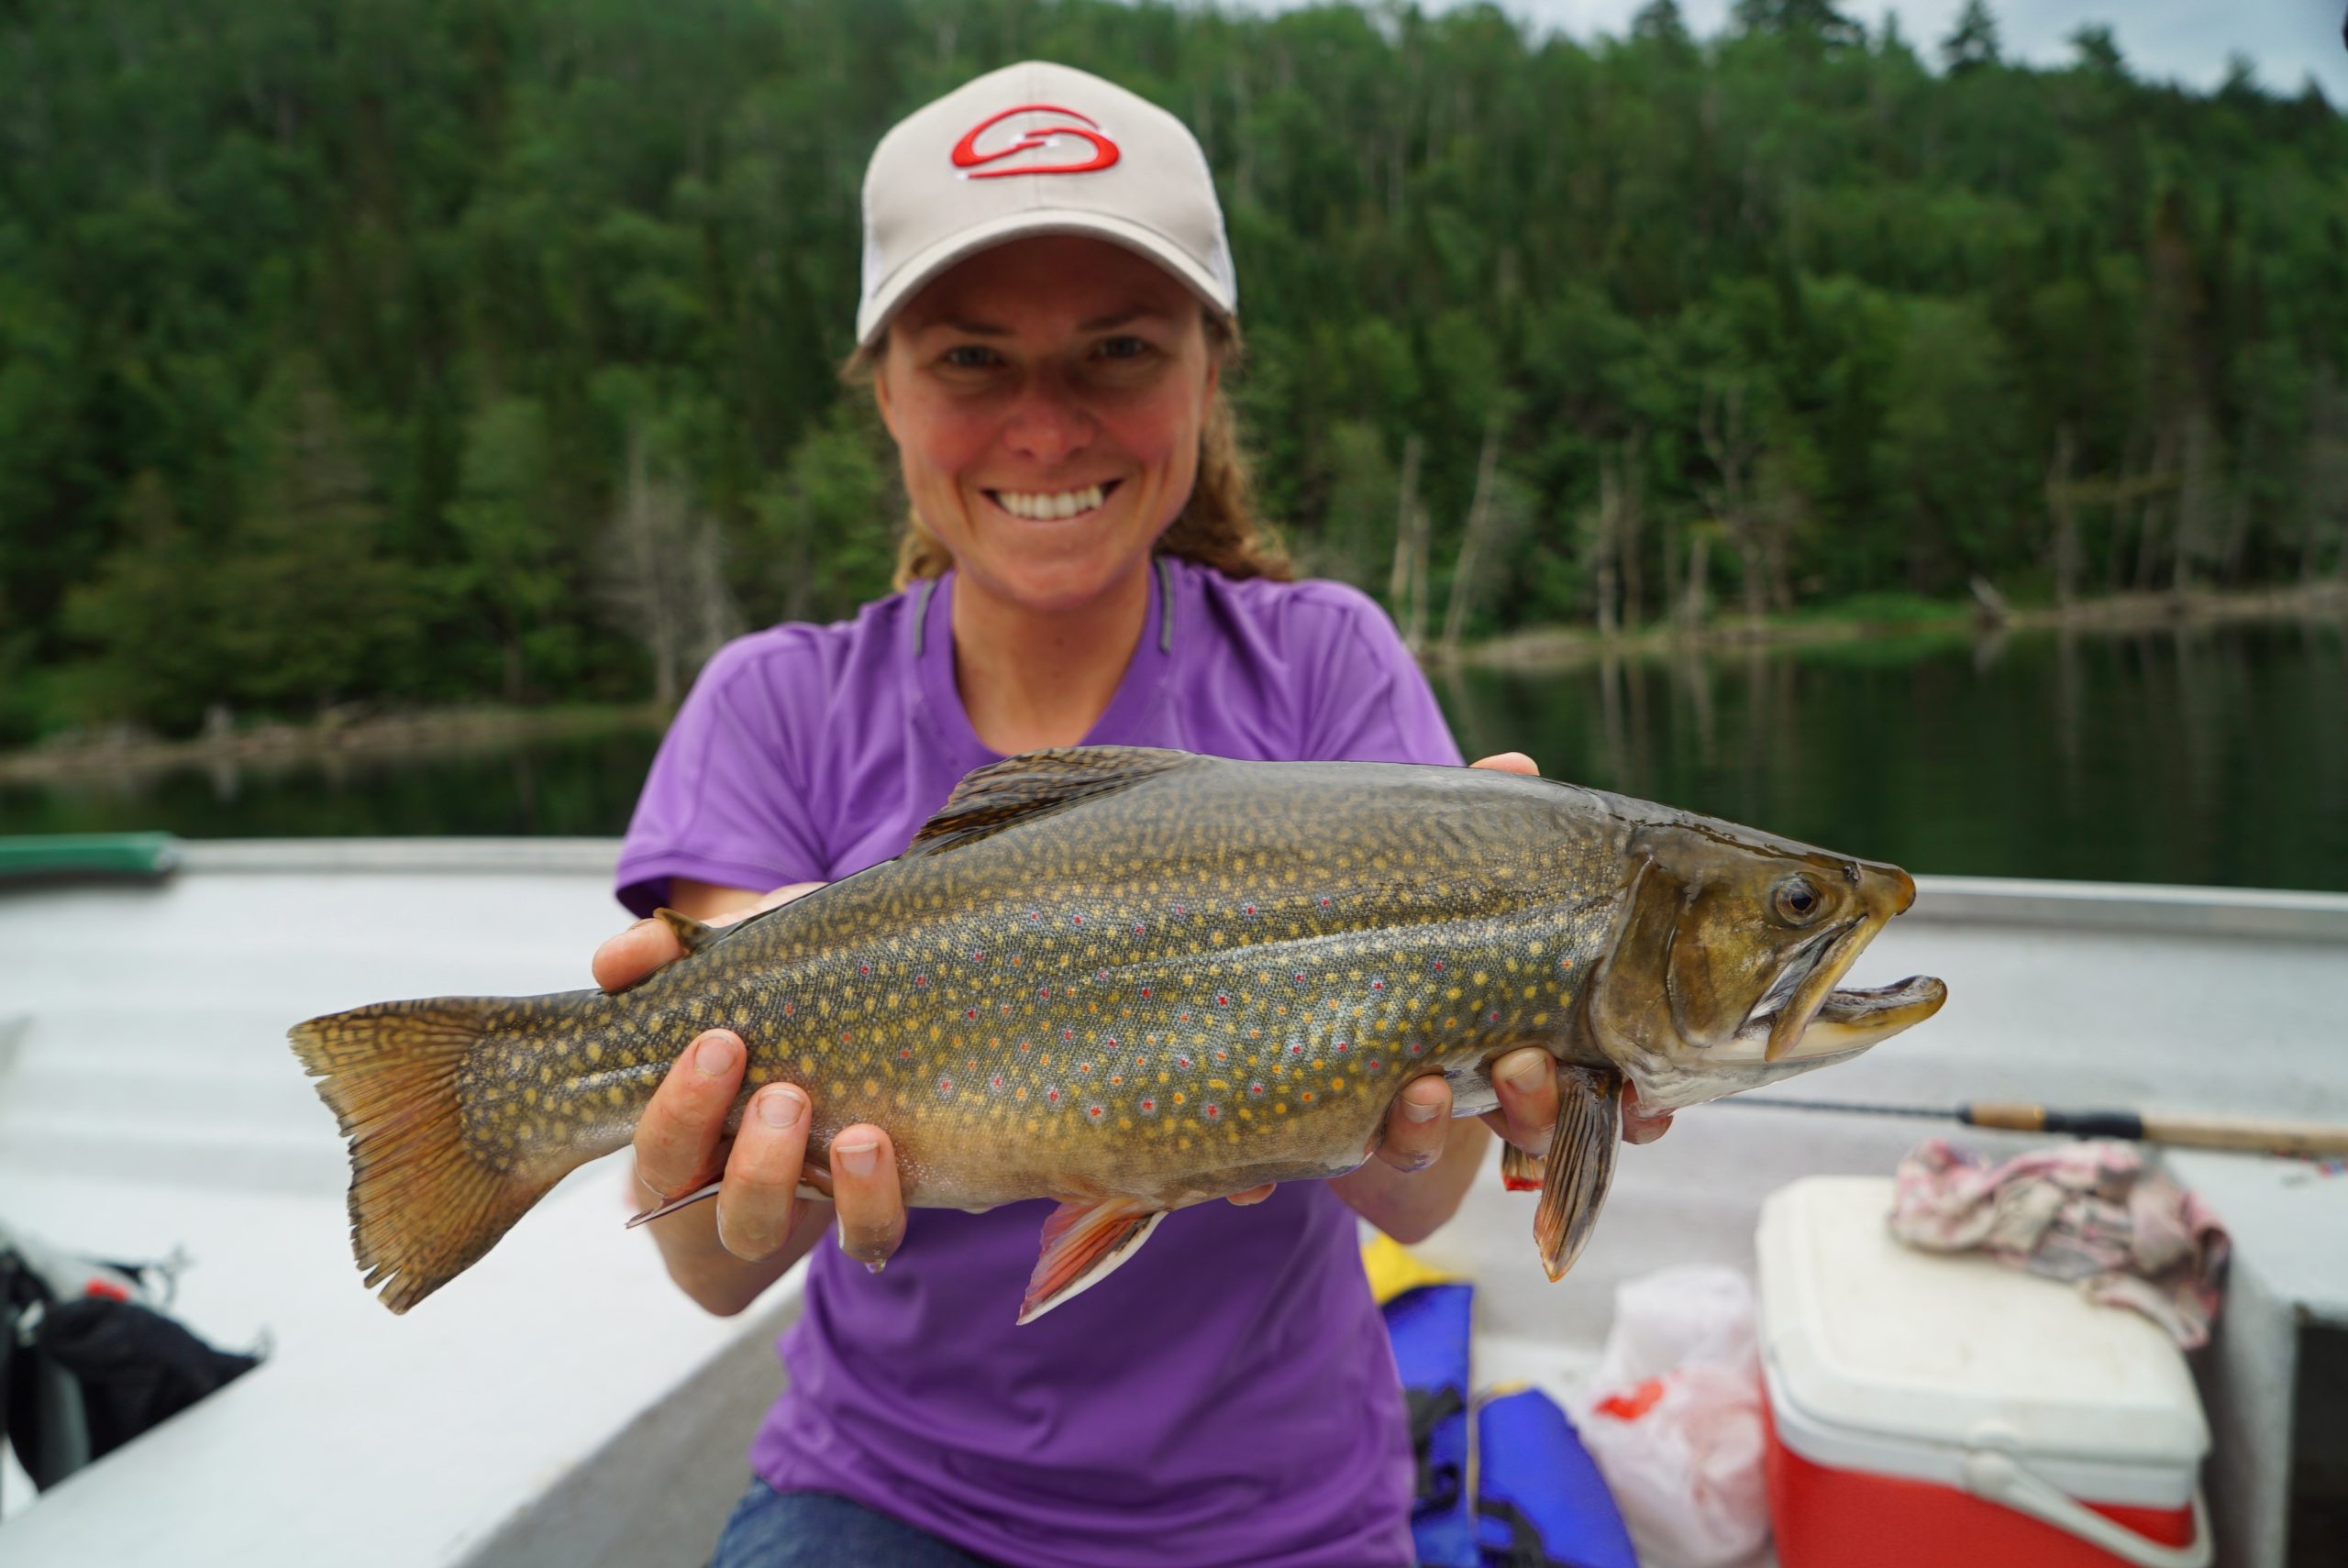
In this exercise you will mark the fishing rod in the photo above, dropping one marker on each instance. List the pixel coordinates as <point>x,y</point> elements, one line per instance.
<point>2254,1133</point>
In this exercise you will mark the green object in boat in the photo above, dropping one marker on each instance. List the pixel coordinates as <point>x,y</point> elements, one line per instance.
<point>79,855</point>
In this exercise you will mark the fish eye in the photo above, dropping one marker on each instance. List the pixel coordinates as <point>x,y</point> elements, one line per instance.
<point>1798,901</point>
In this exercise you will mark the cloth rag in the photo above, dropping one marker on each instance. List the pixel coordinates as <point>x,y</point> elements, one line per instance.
<point>2089,1212</point>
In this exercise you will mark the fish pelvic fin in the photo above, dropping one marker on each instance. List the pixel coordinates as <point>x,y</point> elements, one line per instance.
<point>1520,1172</point>
<point>423,1205</point>
<point>1084,1243</point>
<point>1038,784</point>
<point>1580,1166</point>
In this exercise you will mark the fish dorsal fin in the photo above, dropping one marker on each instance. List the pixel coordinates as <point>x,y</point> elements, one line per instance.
<point>1036,784</point>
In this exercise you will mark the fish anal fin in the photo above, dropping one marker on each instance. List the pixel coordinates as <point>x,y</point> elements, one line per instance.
<point>1084,1243</point>
<point>692,934</point>
<point>1037,783</point>
<point>1581,1164</point>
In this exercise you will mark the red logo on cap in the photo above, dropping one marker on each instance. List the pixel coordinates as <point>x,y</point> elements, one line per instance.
<point>967,156</point>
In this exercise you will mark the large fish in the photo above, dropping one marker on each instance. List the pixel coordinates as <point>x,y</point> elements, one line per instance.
<point>1133,980</point>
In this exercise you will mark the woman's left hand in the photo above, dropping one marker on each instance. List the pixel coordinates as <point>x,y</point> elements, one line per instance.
<point>1418,1127</point>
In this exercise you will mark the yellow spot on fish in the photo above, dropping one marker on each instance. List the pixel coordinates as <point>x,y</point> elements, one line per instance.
<point>871,1086</point>
<point>1479,976</point>
<point>1539,1018</point>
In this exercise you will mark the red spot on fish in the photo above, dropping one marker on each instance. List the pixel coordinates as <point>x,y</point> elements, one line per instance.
<point>843,1036</point>
<point>1251,908</point>
<point>1136,927</point>
<point>1186,1018</point>
<point>1373,1063</point>
<point>1181,1061</point>
<point>1084,1066</point>
<point>1212,1111</point>
<point>1101,976</point>
<point>1299,979</point>
<point>1324,903</point>
<point>978,958</point>
<point>1180,910</point>
<point>1344,1046</point>
<point>970,1012</point>
<point>1438,963</point>
<point>1378,984</point>
<point>1117,1077</point>
<point>1052,1095</point>
<point>786,1010</point>
<point>1045,994</point>
<point>1093,1112</point>
<point>921,980</point>
<point>996,1080</point>
<point>1112,1039</point>
<point>864,968</point>
<point>1221,999</point>
<point>946,1085</point>
<point>1033,914</point>
<point>1296,1050</point>
<point>1306,1095</point>
<point>905,1053</point>
<point>1144,990</point>
<point>1496,1018</point>
<point>1024,1047</point>
<point>1067,1033</point>
<point>1255,1088</point>
<point>1150,1105</point>
<point>1080,919</point>
<point>1222,1055</point>
<point>1417,1050</point>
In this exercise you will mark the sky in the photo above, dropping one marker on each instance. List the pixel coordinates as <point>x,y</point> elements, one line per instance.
<point>2186,40</point>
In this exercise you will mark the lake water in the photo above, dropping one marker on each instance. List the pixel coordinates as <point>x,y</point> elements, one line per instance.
<point>2210,754</point>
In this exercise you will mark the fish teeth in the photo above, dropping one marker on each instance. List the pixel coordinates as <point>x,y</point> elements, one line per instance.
<point>1048,506</point>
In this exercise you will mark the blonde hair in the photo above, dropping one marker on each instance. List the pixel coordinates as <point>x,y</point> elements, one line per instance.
<point>1217,527</point>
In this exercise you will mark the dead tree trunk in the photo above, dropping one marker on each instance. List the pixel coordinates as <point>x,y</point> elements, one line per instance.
<point>1472,545</point>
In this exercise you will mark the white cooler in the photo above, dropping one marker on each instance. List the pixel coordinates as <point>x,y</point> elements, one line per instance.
<point>1944,1411</point>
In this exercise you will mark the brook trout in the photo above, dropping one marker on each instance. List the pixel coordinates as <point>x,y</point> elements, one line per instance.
<point>1133,980</point>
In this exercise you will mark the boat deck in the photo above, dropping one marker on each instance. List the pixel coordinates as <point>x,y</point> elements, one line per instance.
<point>566,1405</point>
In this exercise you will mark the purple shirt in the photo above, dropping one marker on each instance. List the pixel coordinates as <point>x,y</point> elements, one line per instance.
<point>1228,1395</point>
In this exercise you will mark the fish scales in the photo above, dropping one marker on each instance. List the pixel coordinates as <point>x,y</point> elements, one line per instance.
<point>1118,977</point>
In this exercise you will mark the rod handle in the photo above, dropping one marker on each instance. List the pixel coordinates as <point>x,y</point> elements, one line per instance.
<point>2255,1134</point>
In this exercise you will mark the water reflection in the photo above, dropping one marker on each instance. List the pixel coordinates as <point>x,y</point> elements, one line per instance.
<point>2195,753</point>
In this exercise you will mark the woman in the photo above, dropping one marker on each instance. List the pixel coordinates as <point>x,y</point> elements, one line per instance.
<point>1049,312</point>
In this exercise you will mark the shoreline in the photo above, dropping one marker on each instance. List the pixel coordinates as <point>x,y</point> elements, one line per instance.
<point>1534,648</point>
<point>1565,648</point>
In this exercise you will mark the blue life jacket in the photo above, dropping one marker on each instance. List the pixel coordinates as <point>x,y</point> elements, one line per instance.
<point>1540,1501</point>
<point>1429,1327</point>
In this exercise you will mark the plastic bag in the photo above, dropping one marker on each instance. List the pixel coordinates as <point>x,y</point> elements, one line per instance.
<point>1673,1417</point>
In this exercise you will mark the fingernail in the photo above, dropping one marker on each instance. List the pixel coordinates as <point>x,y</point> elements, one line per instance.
<point>1528,1074</point>
<point>858,1159</point>
<point>780,1108</point>
<point>711,1058</point>
<point>1419,1110</point>
<point>874,1265</point>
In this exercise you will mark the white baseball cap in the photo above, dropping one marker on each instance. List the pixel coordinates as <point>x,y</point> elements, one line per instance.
<point>1037,149</point>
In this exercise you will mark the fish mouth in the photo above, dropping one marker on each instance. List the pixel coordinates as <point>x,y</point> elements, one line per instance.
<point>1803,1017</point>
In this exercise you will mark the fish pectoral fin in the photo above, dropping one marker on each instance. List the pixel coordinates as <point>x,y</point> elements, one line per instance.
<point>692,934</point>
<point>1581,1164</point>
<point>1083,1245</point>
<point>1039,783</point>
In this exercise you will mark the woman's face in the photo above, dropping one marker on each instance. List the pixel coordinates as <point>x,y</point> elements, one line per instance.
<point>1047,398</point>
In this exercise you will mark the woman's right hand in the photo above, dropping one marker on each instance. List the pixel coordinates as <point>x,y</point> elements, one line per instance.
<point>725,1253</point>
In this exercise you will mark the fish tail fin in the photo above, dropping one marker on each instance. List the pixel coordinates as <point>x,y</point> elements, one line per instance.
<point>423,1204</point>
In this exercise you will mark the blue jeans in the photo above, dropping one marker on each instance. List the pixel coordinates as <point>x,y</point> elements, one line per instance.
<point>815,1529</point>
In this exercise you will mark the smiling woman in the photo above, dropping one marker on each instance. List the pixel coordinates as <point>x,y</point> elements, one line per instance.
<point>1048,317</point>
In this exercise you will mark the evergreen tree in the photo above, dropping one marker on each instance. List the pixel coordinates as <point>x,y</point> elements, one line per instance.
<point>1973,42</point>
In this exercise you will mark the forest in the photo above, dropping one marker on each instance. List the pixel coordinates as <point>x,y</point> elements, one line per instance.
<point>409,352</point>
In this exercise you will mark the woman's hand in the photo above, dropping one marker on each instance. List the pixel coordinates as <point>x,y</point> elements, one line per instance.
<point>1421,1137</point>
<point>759,1220</point>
